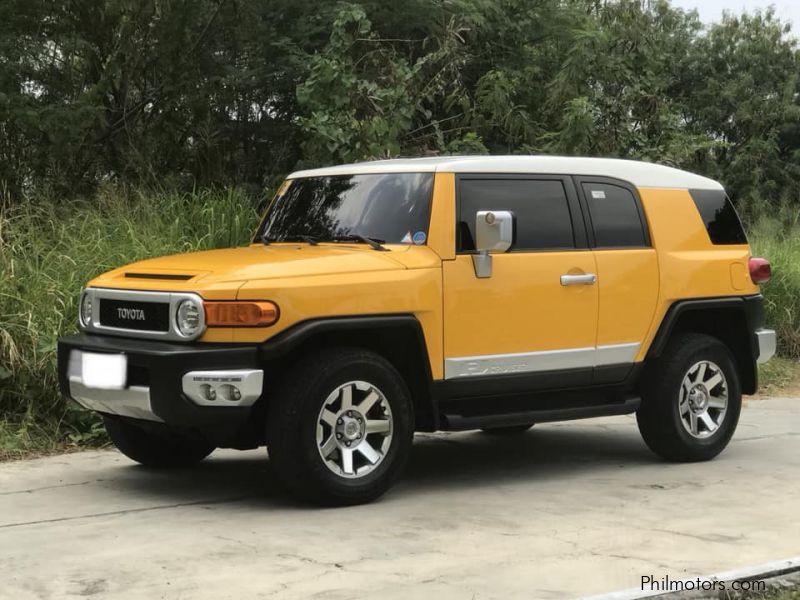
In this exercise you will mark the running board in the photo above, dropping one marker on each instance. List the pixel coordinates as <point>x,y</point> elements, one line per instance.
<point>453,422</point>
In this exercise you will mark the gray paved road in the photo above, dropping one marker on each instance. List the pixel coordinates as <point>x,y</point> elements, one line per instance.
<point>565,510</point>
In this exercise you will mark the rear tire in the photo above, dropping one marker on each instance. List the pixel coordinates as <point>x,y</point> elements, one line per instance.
<point>340,427</point>
<point>156,450</point>
<point>509,430</point>
<point>691,399</point>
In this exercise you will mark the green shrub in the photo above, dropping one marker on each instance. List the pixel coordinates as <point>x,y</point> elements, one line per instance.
<point>48,250</point>
<point>777,238</point>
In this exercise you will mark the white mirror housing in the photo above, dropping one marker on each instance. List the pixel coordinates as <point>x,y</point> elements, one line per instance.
<point>494,233</point>
<point>494,230</point>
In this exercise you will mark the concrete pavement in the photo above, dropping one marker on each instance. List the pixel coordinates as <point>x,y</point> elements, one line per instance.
<point>566,510</point>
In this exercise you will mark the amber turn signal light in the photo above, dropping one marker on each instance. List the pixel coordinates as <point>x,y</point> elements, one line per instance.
<point>241,314</point>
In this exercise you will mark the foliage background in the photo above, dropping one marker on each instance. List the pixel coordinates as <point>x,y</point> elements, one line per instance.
<point>131,128</point>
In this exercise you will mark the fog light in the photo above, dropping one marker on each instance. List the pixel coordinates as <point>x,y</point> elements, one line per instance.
<point>230,392</point>
<point>232,387</point>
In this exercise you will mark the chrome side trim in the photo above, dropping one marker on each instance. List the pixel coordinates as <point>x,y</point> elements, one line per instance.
<point>171,298</point>
<point>767,344</point>
<point>532,362</point>
<point>249,383</point>
<point>131,402</point>
<point>616,354</point>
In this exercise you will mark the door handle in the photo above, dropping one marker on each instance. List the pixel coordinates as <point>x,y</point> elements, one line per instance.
<point>588,279</point>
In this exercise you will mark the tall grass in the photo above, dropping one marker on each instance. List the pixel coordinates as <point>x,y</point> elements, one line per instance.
<point>776,237</point>
<point>48,251</point>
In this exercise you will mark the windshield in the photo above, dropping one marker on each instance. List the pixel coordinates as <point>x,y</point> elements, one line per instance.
<point>393,208</point>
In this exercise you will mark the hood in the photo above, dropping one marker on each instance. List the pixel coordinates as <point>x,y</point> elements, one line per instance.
<point>217,268</point>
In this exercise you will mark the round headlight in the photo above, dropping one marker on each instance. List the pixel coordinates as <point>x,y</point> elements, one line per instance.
<point>188,317</point>
<point>86,309</point>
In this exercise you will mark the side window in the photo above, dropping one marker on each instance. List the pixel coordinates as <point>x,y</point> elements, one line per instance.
<point>722,222</point>
<point>541,212</point>
<point>615,216</point>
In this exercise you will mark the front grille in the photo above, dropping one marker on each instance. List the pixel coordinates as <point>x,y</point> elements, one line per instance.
<point>139,313</point>
<point>140,316</point>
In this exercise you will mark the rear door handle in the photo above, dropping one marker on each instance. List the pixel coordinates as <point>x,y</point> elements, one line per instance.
<point>588,279</point>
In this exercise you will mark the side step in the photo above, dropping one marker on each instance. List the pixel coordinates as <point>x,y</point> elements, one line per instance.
<point>456,422</point>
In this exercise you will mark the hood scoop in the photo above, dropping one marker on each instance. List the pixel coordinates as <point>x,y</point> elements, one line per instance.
<point>161,276</point>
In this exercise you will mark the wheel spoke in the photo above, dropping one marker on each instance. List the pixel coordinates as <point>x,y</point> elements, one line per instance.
<point>328,447</point>
<point>701,373</point>
<point>693,422</point>
<point>708,421</point>
<point>683,407</point>
<point>714,402</point>
<point>328,417</point>
<point>368,402</point>
<point>347,460</point>
<point>713,382</point>
<point>378,426</point>
<point>368,451</point>
<point>347,397</point>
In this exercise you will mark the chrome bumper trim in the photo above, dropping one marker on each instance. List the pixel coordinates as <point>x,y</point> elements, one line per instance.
<point>131,402</point>
<point>767,344</point>
<point>249,384</point>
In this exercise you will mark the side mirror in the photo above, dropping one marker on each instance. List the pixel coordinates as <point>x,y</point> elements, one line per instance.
<point>494,232</point>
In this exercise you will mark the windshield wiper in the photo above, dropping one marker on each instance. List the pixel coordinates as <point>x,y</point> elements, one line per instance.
<point>374,243</point>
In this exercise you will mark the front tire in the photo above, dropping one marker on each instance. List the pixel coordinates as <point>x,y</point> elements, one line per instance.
<point>691,399</point>
<point>155,449</point>
<point>340,427</point>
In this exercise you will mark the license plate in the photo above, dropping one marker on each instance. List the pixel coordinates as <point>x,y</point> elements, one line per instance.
<point>104,371</point>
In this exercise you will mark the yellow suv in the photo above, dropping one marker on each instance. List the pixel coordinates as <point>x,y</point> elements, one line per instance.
<point>456,293</point>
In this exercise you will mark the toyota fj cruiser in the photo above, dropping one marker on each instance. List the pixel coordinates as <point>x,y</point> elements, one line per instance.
<point>389,297</point>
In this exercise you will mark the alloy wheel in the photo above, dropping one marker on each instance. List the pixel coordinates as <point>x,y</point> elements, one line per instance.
<point>703,399</point>
<point>354,429</point>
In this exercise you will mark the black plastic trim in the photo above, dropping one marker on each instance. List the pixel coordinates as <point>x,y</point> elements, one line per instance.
<point>287,340</point>
<point>517,383</point>
<point>752,306</point>
<point>166,276</point>
<point>455,422</point>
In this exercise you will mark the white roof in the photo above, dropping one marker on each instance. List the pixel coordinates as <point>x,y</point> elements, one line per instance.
<point>640,174</point>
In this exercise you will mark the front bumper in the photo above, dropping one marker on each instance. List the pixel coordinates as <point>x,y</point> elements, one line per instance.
<point>767,342</point>
<point>155,384</point>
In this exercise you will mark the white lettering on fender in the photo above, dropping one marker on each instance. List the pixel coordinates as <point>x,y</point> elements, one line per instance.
<point>131,314</point>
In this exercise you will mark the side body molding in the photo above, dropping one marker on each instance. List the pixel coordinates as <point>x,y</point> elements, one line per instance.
<point>533,362</point>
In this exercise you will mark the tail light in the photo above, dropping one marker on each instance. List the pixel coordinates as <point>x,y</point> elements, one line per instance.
<point>760,270</point>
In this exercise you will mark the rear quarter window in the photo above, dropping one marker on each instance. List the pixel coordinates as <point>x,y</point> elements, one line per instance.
<point>719,215</point>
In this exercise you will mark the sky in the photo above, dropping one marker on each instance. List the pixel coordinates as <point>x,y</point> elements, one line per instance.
<point>711,10</point>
